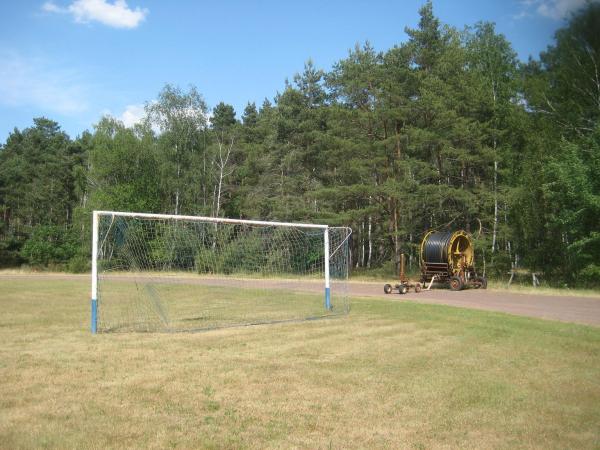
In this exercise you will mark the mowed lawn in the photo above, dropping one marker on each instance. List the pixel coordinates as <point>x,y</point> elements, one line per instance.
<point>392,374</point>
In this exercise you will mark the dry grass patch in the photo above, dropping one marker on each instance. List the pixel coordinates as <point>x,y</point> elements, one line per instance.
<point>391,375</point>
<point>526,288</point>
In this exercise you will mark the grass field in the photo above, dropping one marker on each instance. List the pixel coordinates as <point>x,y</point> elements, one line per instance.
<point>139,305</point>
<point>392,374</point>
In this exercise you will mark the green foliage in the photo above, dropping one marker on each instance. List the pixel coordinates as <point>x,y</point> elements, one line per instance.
<point>10,252</point>
<point>181,160</point>
<point>445,130</point>
<point>561,207</point>
<point>170,246</point>
<point>37,180</point>
<point>40,185</point>
<point>569,74</point>
<point>590,275</point>
<point>123,169</point>
<point>79,264</point>
<point>223,118</point>
<point>49,245</point>
<point>250,253</point>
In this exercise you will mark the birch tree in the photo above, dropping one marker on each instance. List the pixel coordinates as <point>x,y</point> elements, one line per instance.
<point>493,59</point>
<point>223,125</point>
<point>180,118</point>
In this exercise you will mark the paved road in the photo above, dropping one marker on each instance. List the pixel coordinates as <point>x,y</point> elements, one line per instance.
<point>568,308</point>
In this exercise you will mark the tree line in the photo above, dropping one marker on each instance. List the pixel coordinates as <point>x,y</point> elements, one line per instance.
<point>447,130</point>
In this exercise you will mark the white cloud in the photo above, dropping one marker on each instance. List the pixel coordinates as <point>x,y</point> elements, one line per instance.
<point>52,7</point>
<point>116,14</point>
<point>132,115</point>
<point>557,9</point>
<point>31,82</point>
<point>552,9</point>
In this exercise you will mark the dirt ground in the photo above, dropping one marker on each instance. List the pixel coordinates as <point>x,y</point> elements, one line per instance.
<point>568,308</point>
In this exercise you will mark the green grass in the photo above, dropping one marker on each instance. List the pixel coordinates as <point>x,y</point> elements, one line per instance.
<point>390,375</point>
<point>134,304</point>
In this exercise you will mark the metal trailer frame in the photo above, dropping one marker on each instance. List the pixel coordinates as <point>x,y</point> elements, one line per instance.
<point>404,285</point>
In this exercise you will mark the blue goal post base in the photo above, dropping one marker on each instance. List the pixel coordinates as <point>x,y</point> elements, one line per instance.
<point>94,325</point>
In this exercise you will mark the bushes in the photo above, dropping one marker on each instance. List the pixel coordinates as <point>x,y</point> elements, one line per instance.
<point>50,245</point>
<point>79,264</point>
<point>10,252</point>
<point>590,276</point>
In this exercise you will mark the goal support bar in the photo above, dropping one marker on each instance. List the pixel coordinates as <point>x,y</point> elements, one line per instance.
<point>326,261</point>
<point>95,235</point>
<point>94,317</point>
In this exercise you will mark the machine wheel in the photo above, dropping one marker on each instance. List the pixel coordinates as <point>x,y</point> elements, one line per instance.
<point>403,289</point>
<point>387,288</point>
<point>417,287</point>
<point>483,283</point>
<point>456,284</point>
<point>480,283</point>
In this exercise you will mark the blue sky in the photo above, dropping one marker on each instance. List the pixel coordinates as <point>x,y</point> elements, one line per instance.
<point>75,60</point>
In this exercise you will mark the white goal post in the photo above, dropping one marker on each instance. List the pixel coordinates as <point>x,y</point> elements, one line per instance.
<point>176,272</point>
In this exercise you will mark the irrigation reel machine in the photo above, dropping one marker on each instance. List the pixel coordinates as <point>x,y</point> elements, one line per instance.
<point>446,257</point>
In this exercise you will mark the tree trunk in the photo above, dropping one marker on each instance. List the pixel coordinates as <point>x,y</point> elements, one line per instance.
<point>222,164</point>
<point>396,238</point>
<point>218,208</point>
<point>495,229</point>
<point>370,243</point>
<point>495,145</point>
<point>204,178</point>
<point>360,262</point>
<point>177,189</point>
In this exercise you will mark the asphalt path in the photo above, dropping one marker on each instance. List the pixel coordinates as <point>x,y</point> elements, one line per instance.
<point>565,308</point>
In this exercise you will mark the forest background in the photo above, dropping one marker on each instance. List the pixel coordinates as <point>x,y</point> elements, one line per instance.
<point>447,130</point>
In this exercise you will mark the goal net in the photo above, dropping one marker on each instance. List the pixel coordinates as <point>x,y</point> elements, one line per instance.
<point>154,272</point>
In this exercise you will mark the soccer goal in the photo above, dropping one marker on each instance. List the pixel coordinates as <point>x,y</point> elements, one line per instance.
<point>158,272</point>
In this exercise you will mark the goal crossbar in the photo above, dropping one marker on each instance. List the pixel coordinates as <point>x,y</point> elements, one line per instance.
<point>210,219</point>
